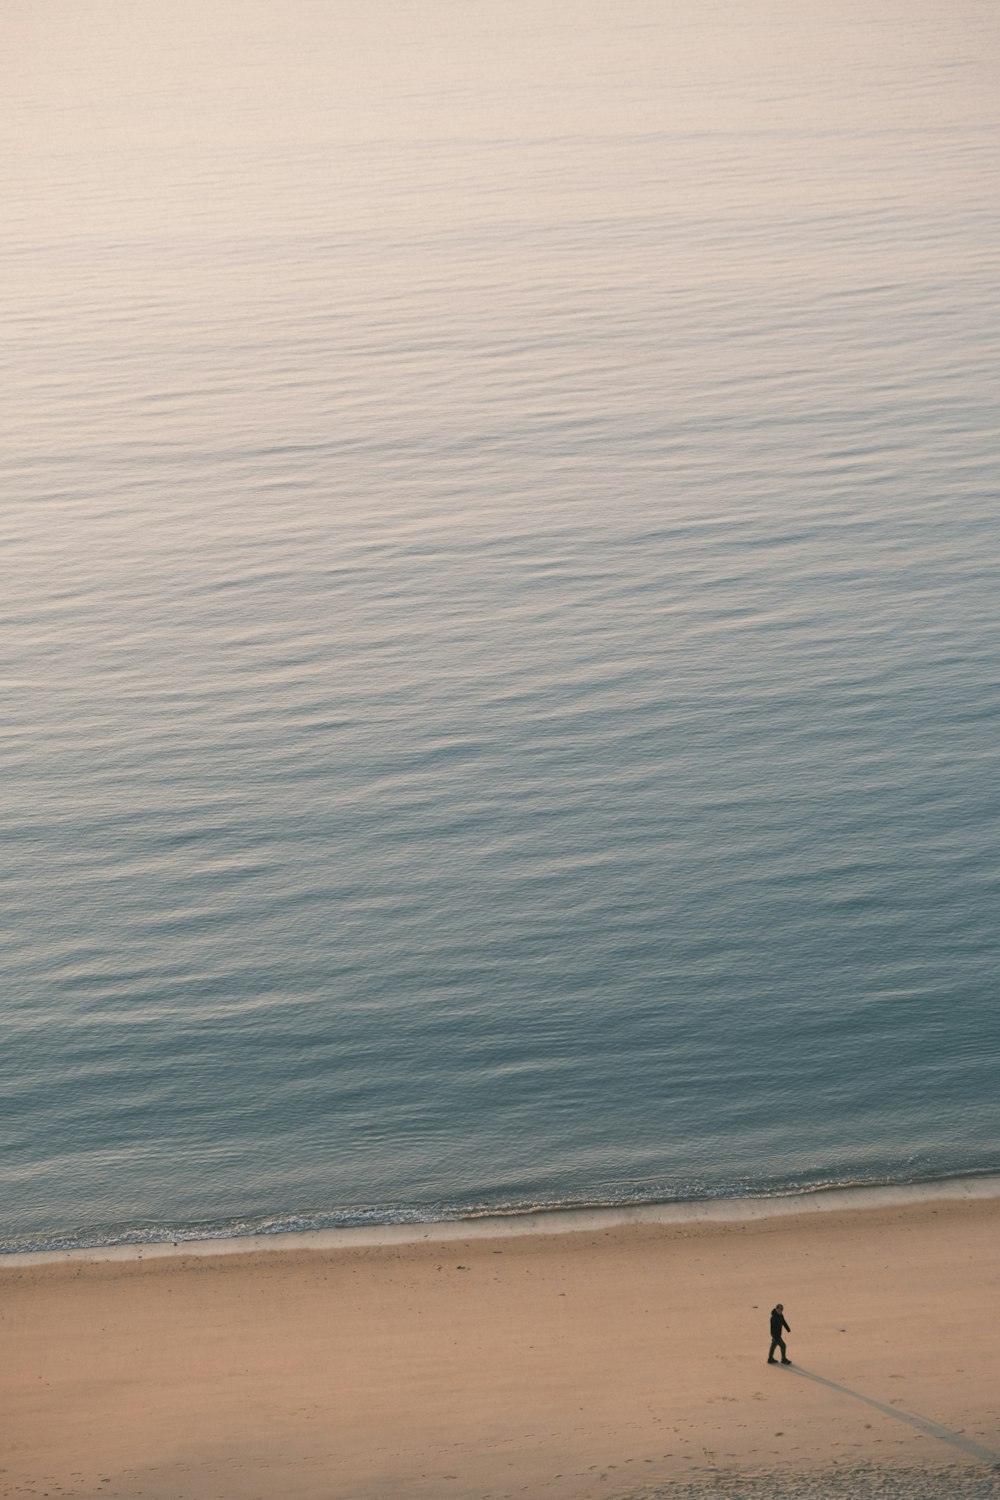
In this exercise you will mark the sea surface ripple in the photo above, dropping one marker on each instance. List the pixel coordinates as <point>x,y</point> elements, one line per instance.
<point>499,637</point>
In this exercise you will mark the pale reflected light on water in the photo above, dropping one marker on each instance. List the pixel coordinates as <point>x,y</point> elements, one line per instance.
<point>500,539</point>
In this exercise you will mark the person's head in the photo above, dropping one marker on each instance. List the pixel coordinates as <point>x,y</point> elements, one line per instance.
<point>779,1307</point>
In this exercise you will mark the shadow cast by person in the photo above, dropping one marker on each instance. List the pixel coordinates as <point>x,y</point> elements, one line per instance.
<point>958,1440</point>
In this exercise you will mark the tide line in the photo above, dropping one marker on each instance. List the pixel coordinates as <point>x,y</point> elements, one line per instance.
<point>549,1221</point>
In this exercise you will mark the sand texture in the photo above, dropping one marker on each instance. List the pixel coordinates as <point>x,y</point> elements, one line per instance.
<point>613,1361</point>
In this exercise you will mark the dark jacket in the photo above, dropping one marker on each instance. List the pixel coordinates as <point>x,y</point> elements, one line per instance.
<point>778,1323</point>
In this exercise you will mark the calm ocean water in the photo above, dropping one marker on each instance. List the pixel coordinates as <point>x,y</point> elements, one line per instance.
<point>501,550</point>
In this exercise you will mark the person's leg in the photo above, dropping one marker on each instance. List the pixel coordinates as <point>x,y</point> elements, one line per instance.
<point>784,1353</point>
<point>770,1352</point>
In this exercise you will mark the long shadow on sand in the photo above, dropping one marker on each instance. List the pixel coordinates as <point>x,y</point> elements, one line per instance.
<point>929,1429</point>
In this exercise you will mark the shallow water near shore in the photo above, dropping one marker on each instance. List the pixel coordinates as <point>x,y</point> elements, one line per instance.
<point>500,660</point>
<point>712,1213</point>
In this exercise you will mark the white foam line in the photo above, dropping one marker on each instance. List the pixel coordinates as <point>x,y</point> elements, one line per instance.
<point>548,1221</point>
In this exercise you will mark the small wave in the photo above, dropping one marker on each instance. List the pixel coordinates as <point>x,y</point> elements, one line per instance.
<point>374,1224</point>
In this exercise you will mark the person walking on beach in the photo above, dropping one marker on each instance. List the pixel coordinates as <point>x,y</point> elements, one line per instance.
<point>778,1326</point>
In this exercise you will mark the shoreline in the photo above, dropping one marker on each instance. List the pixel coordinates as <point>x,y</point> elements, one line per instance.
<point>543,1221</point>
<point>626,1363</point>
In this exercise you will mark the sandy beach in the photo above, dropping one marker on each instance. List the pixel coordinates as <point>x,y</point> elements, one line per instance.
<point>612,1360</point>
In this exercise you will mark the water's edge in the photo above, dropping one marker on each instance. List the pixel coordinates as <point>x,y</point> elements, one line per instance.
<point>531,1222</point>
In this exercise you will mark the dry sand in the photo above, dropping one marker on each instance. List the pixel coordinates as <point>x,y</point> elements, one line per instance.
<point>610,1361</point>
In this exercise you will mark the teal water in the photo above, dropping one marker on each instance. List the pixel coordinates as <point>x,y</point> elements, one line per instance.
<point>501,671</point>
